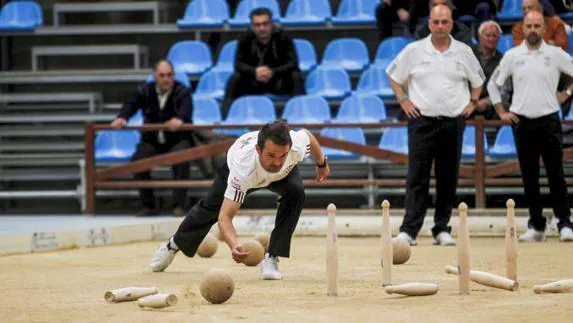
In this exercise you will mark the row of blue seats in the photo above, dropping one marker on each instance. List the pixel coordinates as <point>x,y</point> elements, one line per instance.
<point>194,57</point>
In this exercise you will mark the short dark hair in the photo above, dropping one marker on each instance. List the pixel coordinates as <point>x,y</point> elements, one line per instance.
<point>260,11</point>
<point>164,60</point>
<point>278,132</point>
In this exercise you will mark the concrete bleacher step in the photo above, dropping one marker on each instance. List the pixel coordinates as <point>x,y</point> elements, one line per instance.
<point>40,132</point>
<point>39,174</point>
<point>46,160</point>
<point>93,100</point>
<point>129,75</point>
<point>40,146</point>
<point>24,118</point>
<point>157,8</point>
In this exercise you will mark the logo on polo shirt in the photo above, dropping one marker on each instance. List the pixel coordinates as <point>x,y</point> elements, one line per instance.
<point>235,183</point>
<point>547,60</point>
<point>519,63</point>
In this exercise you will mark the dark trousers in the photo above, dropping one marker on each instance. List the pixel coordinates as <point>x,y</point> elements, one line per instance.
<point>542,137</point>
<point>385,16</point>
<point>180,171</point>
<point>205,214</point>
<point>429,140</point>
<point>240,85</point>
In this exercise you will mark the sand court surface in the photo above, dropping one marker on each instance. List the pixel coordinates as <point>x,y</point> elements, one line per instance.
<point>68,286</point>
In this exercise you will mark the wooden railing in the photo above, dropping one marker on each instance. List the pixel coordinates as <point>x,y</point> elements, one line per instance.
<point>478,174</point>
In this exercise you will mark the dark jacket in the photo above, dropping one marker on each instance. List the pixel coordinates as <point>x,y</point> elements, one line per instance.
<point>279,54</point>
<point>488,66</point>
<point>178,105</point>
<point>460,32</point>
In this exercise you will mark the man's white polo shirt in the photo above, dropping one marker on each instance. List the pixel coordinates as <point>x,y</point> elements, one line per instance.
<point>535,75</point>
<point>437,82</point>
<point>245,170</point>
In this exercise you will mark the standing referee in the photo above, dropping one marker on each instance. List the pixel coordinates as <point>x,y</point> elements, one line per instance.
<point>535,67</point>
<point>436,71</point>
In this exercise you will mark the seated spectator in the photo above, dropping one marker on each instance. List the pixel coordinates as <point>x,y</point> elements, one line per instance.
<point>388,12</point>
<point>554,32</point>
<point>266,62</point>
<point>482,10</point>
<point>162,101</point>
<point>488,57</point>
<point>460,31</point>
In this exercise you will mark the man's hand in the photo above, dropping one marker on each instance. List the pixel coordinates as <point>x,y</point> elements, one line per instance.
<point>509,118</point>
<point>322,173</point>
<point>562,96</point>
<point>263,74</point>
<point>483,105</point>
<point>239,253</point>
<point>174,123</point>
<point>119,123</point>
<point>403,14</point>
<point>468,110</point>
<point>409,109</point>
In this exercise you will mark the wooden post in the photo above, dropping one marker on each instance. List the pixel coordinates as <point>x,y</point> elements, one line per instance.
<point>89,135</point>
<point>479,169</point>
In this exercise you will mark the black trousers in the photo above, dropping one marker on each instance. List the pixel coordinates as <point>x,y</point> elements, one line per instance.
<point>240,85</point>
<point>429,140</point>
<point>180,171</point>
<point>542,137</point>
<point>386,14</point>
<point>205,214</point>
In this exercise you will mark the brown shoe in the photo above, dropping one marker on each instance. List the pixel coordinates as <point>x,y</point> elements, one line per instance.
<point>178,211</point>
<point>148,212</point>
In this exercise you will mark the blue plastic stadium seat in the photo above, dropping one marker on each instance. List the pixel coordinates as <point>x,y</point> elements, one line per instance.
<point>21,15</point>
<point>361,108</point>
<point>355,12</point>
<point>212,84</point>
<point>331,83</point>
<point>205,111</point>
<point>226,59</point>
<point>374,81</point>
<point>116,145</point>
<point>307,13</point>
<point>348,53</point>
<point>569,115</point>
<point>469,142</point>
<point>242,19</point>
<point>395,139</point>
<point>567,16</point>
<point>389,49</point>
<point>136,119</point>
<point>204,13</point>
<point>190,57</point>
<point>505,43</point>
<point>510,11</point>
<point>504,145</point>
<point>306,54</point>
<point>250,109</point>
<point>307,109</point>
<point>179,77</point>
<point>354,135</point>
<point>570,43</point>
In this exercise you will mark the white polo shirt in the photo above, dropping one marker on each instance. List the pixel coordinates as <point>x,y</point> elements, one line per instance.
<point>535,75</point>
<point>437,82</point>
<point>245,170</point>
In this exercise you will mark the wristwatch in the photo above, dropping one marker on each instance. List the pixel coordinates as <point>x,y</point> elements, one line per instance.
<point>569,92</point>
<point>474,102</point>
<point>323,164</point>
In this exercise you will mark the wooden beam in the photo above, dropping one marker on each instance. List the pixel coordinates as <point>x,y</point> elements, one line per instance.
<point>366,150</point>
<point>89,167</point>
<point>507,168</point>
<point>165,159</point>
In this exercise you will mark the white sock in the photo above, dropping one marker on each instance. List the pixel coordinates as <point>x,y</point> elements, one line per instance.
<point>172,245</point>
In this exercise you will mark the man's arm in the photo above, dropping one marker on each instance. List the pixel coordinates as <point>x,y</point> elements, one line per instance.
<point>407,106</point>
<point>129,108</point>
<point>241,63</point>
<point>291,59</point>
<point>494,90</point>
<point>318,156</point>
<point>228,211</point>
<point>517,34</point>
<point>561,38</point>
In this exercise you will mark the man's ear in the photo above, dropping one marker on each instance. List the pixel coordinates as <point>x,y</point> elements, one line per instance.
<point>258,148</point>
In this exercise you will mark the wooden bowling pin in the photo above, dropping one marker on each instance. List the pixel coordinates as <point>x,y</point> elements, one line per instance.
<point>386,245</point>
<point>331,253</point>
<point>413,289</point>
<point>157,301</point>
<point>487,279</point>
<point>560,286</point>
<point>129,294</point>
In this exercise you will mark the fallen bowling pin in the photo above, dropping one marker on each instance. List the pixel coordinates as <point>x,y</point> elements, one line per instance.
<point>487,279</point>
<point>129,294</point>
<point>157,301</point>
<point>560,286</point>
<point>413,289</point>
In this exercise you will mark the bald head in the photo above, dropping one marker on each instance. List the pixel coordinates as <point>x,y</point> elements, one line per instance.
<point>528,6</point>
<point>534,27</point>
<point>440,22</point>
<point>163,73</point>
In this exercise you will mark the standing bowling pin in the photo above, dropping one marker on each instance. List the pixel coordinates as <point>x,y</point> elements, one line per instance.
<point>511,242</point>
<point>464,264</point>
<point>331,253</point>
<point>386,245</point>
<point>413,289</point>
<point>129,294</point>
<point>560,286</point>
<point>157,301</point>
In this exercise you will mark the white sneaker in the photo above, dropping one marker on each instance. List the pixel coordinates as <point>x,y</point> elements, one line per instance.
<point>444,239</point>
<point>270,268</point>
<point>405,236</point>
<point>566,234</point>
<point>162,258</point>
<point>532,235</point>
